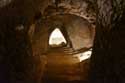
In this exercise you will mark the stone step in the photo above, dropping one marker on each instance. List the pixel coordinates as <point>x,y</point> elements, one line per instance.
<point>66,50</point>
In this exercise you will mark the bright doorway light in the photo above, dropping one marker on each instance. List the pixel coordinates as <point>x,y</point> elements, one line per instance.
<point>57,38</point>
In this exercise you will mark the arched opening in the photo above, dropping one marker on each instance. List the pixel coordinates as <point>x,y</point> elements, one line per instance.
<point>56,38</point>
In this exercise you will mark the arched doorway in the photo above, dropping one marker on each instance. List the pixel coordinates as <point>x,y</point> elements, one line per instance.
<point>56,38</point>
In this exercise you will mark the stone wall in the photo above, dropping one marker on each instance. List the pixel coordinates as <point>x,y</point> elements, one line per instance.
<point>108,58</point>
<point>17,63</point>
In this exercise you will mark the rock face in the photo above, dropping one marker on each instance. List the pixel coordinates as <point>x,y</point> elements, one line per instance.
<point>108,53</point>
<point>16,61</point>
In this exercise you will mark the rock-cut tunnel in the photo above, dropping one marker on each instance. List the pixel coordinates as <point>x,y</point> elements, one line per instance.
<point>62,41</point>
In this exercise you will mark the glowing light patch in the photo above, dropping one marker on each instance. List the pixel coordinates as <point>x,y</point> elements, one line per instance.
<point>83,56</point>
<point>56,38</point>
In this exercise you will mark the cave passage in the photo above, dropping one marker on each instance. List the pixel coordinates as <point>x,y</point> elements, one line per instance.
<point>62,41</point>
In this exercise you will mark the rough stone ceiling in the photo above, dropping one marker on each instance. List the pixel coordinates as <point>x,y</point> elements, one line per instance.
<point>82,8</point>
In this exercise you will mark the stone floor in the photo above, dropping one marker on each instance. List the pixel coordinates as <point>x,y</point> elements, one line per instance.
<point>62,67</point>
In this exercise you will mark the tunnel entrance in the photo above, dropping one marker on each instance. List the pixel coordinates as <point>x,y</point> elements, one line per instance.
<point>56,38</point>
